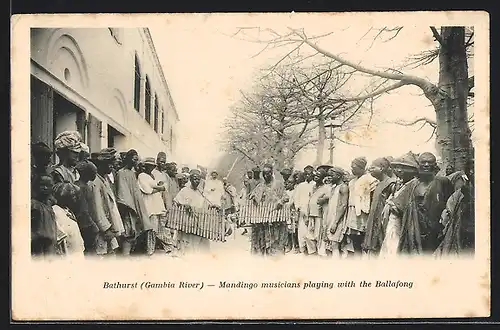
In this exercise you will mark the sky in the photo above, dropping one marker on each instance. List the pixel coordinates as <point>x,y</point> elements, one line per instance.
<point>206,67</point>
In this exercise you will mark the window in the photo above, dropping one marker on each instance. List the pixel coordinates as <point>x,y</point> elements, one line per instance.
<point>155,119</point>
<point>147,115</point>
<point>137,85</point>
<point>162,120</point>
<point>171,140</point>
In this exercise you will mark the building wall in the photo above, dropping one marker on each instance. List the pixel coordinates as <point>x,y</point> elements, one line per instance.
<point>95,69</point>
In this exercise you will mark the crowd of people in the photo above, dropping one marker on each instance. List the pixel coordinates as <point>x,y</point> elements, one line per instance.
<point>394,206</point>
<point>112,203</point>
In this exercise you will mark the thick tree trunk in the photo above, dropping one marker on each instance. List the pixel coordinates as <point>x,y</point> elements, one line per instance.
<point>320,148</point>
<point>453,133</point>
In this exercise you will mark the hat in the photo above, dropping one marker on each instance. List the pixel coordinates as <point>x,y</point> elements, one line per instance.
<point>150,161</point>
<point>70,140</point>
<point>360,162</point>
<point>308,167</point>
<point>194,171</point>
<point>337,169</point>
<point>324,167</point>
<point>407,159</point>
<point>382,162</point>
<point>107,154</point>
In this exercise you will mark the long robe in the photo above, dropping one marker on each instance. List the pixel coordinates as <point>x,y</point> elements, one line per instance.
<point>66,223</point>
<point>459,229</point>
<point>104,212</point>
<point>268,238</point>
<point>420,226</point>
<point>43,229</point>
<point>329,217</point>
<point>374,234</point>
<point>392,227</point>
<point>131,204</point>
<point>194,198</point>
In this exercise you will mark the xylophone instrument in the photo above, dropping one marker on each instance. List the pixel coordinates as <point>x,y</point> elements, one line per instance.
<point>249,213</point>
<point>210,223</point>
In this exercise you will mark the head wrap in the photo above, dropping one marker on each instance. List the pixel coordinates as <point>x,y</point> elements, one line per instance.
<point>107,154</point>
<point>268,166</point>
<point>131,153</point>
<point>308,167</point>
<point>407,159</point>
<point>86,167</point>
<point>161,154</point>
<point>338,170</point>
<point>70,140</point>
<point>286,171</point>
<point>40,148</point>
<point>63,190</point>
<point>360,162</point>
<point>149,161</point>
<point>382,162</point>
<point>324,167</point>
<point>180,176</point>
<point>213,171</point>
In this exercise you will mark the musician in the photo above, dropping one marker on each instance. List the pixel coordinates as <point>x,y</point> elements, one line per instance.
<point>192,198</point>
<point>268,238</point>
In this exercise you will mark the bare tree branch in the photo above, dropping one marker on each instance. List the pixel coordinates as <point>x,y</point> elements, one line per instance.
<point>436,35</point>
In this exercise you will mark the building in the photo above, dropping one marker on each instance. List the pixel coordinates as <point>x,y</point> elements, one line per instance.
<point>107,84</point>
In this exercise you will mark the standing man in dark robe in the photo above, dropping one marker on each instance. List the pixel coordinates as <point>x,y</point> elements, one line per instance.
<point>104,209</point>
<point>420,204</point>
<point>130,204</point>
<point>269,238</point>
<point>68,147</point>
<point>87,225</point>
<point>374,235</point>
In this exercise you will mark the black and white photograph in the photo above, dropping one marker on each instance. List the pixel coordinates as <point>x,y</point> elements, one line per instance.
<point>181,141</point>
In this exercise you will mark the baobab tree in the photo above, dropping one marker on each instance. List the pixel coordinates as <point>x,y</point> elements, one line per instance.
<point>448,96</point>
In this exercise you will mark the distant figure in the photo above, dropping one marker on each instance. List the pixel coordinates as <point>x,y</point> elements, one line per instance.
<point>214,189</point>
